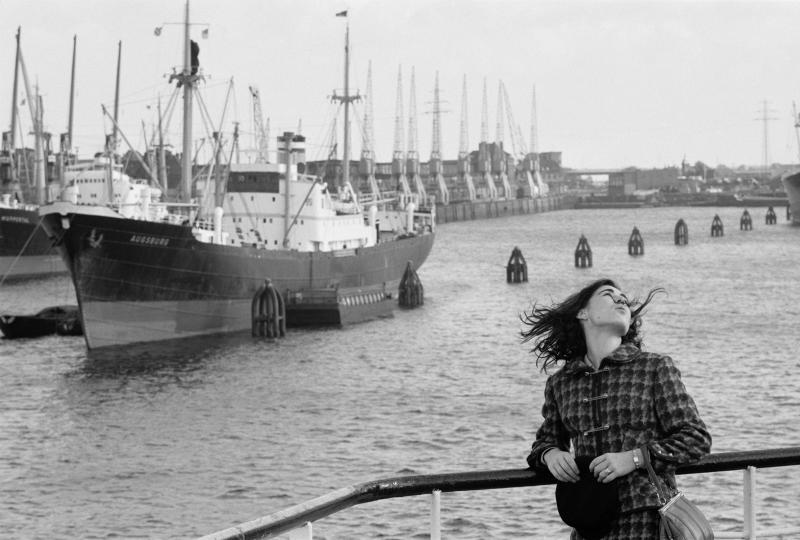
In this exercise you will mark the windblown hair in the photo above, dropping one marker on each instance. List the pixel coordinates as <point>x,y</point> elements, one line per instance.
<point>557,333</point>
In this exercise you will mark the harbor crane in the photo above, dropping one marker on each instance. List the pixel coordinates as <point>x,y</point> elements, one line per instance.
<point>398,155</point>
<point>261,130</point>
<point>436,167</point>
<point>366,166</point>
<point>412,156</point>
<point>463,146</point>
<point>499,165</point>
<point>518,146</point>
<point>484,159</point>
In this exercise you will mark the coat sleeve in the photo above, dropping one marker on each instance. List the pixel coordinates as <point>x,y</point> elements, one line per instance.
<point>552,433</point>
<point>684,438</point>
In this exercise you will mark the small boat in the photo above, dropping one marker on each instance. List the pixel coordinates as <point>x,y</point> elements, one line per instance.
<point>62,320</point>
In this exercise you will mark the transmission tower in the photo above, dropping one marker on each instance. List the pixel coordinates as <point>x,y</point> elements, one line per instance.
<point>765,118</point>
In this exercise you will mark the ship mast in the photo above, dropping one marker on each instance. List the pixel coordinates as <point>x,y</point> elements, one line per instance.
<point>35,106</point>
<point>188,84</point>
<point>346,157</point>
<point>71,95</point>
<point>346,99</point>
<point>113,148</point>
<point>11,149</point>
<point>63,157</point>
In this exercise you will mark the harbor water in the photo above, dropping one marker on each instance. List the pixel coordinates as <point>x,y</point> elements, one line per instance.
<point>183,441</point>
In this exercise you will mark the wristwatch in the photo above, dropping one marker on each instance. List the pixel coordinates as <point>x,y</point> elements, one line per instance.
<point>636,461</point>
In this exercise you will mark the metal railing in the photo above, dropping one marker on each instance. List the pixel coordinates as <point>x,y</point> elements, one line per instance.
<point>299,517</point>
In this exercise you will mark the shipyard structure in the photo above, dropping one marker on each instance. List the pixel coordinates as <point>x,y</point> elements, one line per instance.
<point>503,176</point>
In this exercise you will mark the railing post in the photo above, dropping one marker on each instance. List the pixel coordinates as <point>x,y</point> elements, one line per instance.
<point>750,503</point>
<point>436,515</point>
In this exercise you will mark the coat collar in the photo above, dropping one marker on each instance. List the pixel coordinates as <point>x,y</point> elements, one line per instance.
<point>624,354</point>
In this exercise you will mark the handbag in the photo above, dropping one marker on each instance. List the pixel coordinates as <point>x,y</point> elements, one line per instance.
<point>588,506</point>
<point>681,519</point>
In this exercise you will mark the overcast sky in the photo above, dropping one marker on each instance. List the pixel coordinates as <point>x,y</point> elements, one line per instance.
<point>617,83</point>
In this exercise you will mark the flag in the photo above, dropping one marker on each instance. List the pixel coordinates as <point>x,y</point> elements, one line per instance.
<point>342,14</point>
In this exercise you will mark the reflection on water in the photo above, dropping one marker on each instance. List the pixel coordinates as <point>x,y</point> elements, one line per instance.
<point>188,438</point>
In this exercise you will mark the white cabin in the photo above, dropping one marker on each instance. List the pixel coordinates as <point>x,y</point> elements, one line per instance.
<point>86,183</point>
<point>257,212</point>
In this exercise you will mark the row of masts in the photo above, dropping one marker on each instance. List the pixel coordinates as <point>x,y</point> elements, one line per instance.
<point>16,161</point>
<point>405,159</point>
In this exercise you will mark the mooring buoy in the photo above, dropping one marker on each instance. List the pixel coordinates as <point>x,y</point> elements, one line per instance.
<point>681,233</point>
<point>583,254</point>
<point>517,268</point>
<point>635,243</point>
<point>771,218</point>
<point>268,312</point>
<point>716,227</point>
<point>410,293</point>
<point>745,223</point>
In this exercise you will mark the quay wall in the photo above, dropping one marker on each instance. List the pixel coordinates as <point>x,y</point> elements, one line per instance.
<point>469,210</point>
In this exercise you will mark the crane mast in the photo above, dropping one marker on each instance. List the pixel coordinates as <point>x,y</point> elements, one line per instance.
<point>261,130</point>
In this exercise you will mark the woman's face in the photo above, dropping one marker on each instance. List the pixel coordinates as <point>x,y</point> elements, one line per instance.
<point>608,307</point>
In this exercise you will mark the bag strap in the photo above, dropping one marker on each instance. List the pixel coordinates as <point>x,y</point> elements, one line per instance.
<point>663,494</point>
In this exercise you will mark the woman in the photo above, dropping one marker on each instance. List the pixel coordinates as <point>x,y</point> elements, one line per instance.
<point>609,403</point>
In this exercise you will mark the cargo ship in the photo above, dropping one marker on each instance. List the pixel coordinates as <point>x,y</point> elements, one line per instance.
<point>25,249</point>
<point>149,271</point>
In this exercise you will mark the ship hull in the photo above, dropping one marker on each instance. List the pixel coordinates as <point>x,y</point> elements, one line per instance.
<point>791,184</point>
<point>25,250</point>
<point>141,282</point>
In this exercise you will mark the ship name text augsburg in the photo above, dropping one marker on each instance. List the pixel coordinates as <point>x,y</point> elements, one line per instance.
<point>16,219</point>
<point>149,240</point>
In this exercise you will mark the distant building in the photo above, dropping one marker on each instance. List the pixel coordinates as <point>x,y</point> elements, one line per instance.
<point>623,184</point>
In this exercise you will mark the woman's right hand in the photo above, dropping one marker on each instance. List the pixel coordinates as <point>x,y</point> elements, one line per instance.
<point>562,465</point>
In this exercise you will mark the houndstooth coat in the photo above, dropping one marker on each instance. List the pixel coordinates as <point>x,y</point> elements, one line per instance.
<point>634,400</point>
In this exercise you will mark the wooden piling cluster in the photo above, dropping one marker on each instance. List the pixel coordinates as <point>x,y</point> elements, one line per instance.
<point>268,312</point>
<point>517,272</point>
<point>681,233</point>
<point>717,228</point>
<point>517,268</point>
<point>635,243</point>
<point>745,223</point>
<point>771,218</point>
<point>411,293</point>
<point>583,254</point>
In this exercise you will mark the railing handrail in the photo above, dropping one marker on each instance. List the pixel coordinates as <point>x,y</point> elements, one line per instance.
<point>405,486</point>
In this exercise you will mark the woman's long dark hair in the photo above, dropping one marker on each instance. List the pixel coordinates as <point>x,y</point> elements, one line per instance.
<point>558,334</point>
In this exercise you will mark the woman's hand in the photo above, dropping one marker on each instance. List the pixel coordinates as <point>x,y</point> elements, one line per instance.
<point>562,465</point>
<point>608,467</point>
